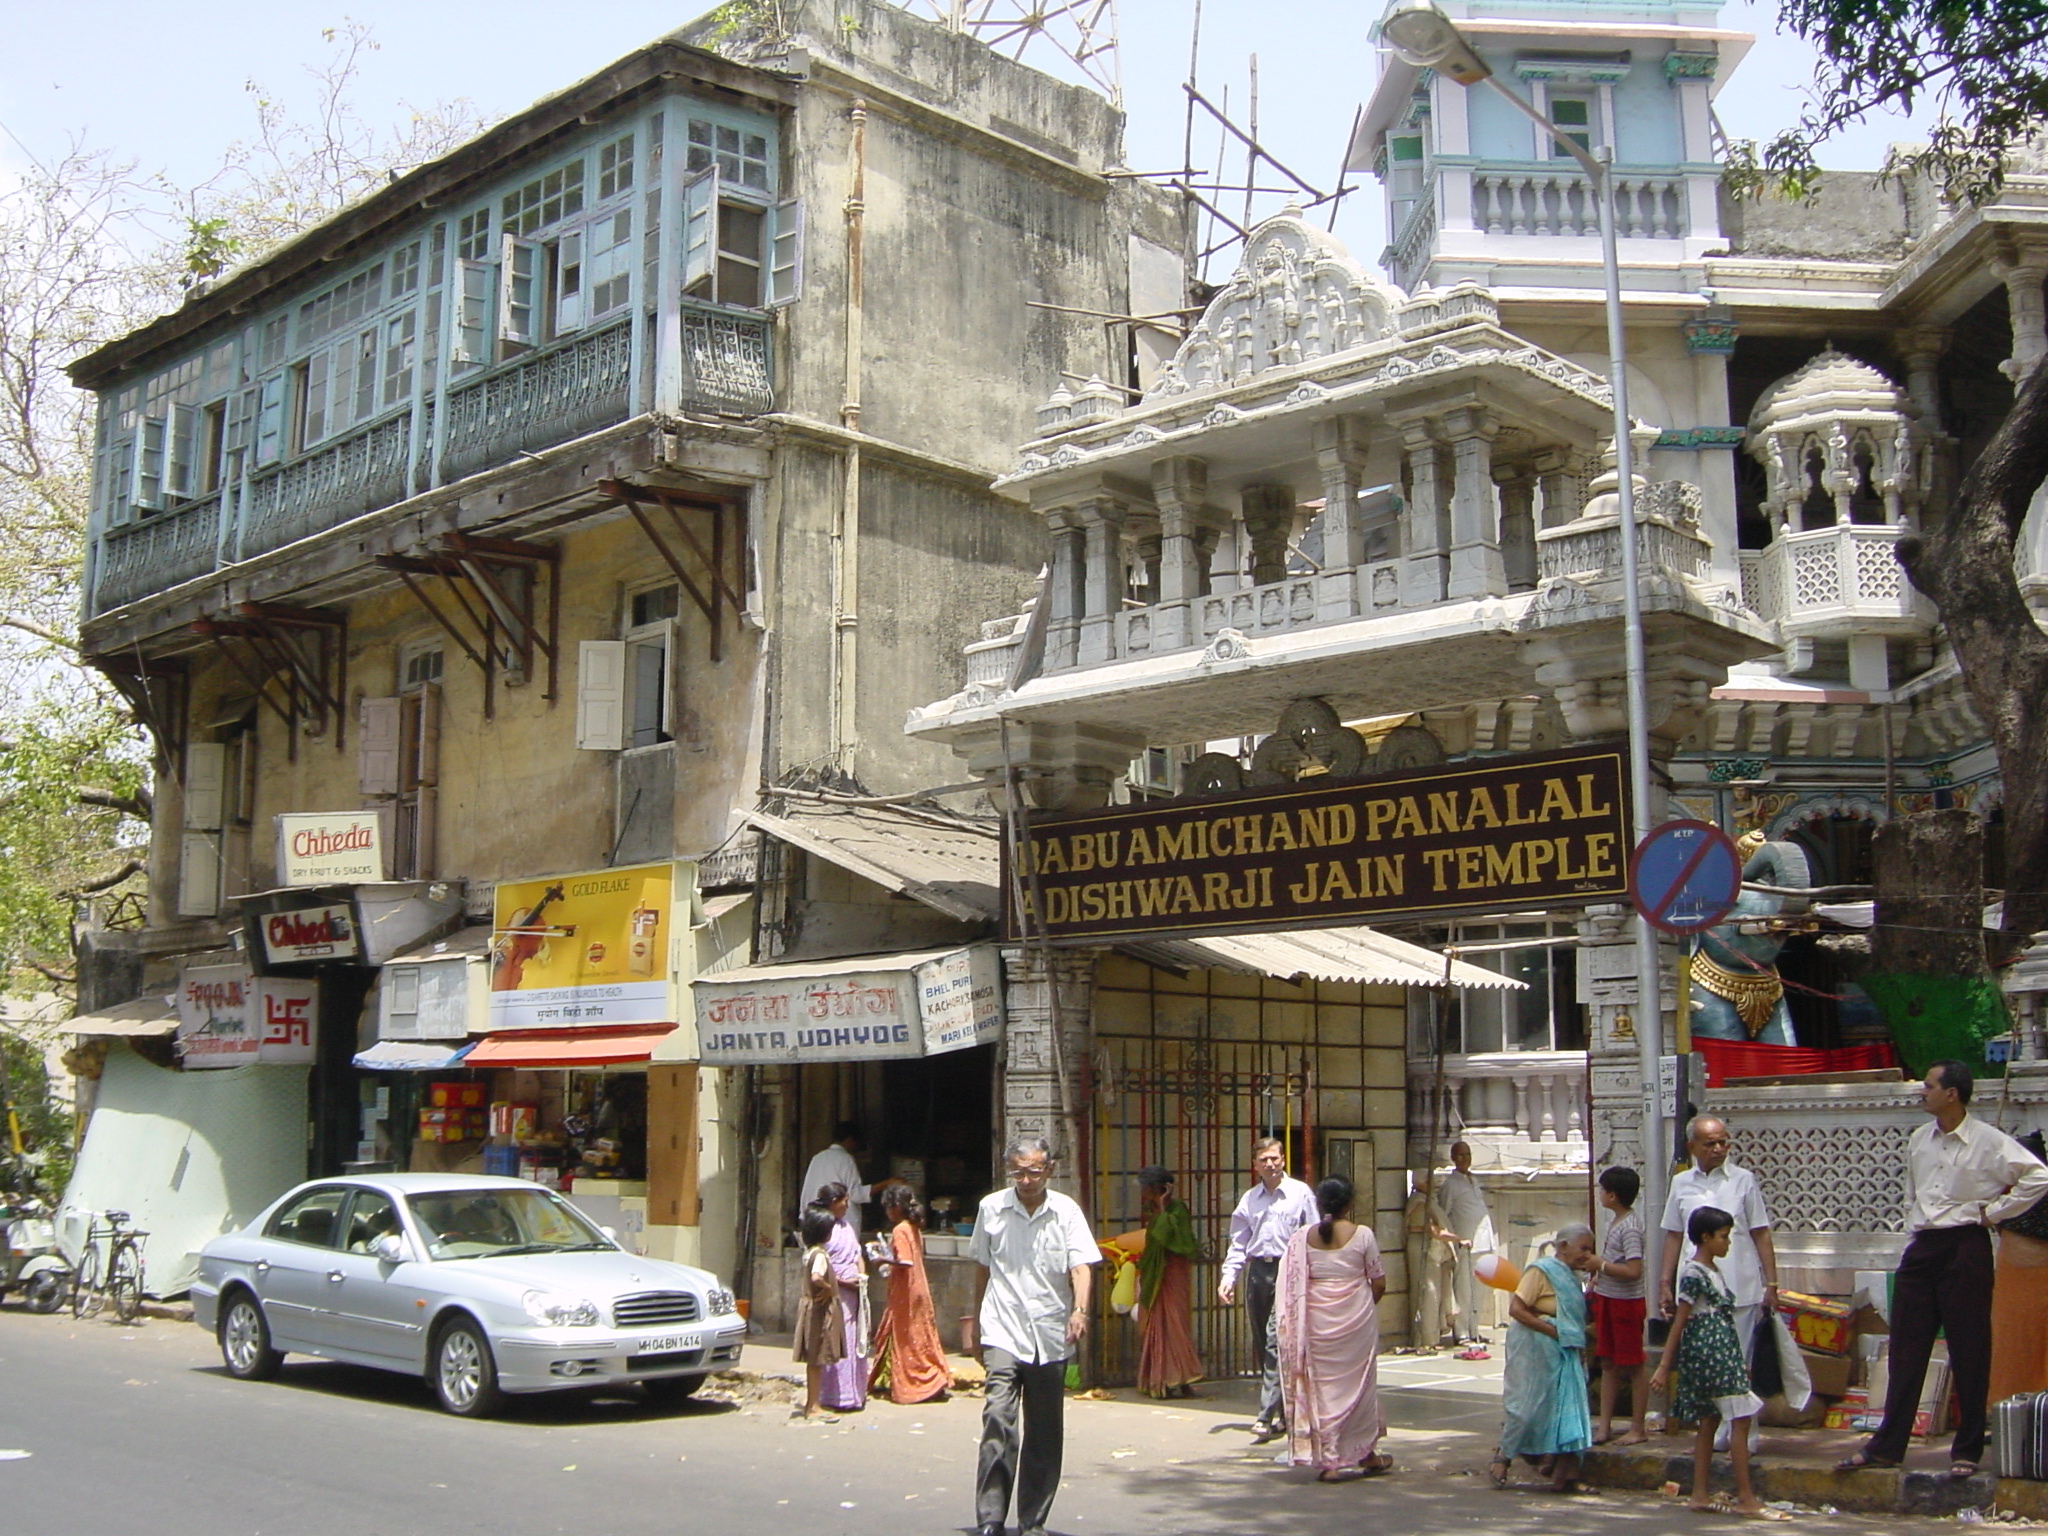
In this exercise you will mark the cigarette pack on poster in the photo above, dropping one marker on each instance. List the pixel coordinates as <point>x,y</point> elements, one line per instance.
<point>1819,1325</point>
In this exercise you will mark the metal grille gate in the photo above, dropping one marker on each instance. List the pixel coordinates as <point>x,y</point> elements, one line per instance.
<point>1193,1107</point>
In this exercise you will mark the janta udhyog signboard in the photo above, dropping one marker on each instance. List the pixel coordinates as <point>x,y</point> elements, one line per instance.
<point>1486,835</point>
<point>922,1004</point>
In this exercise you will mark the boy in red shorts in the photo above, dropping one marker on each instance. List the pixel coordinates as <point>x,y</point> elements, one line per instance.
<point>1617,1303</point>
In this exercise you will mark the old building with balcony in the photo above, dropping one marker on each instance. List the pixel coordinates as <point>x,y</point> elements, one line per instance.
<point>522,521</point>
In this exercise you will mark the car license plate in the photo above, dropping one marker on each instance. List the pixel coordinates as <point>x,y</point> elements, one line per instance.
<point>669,1344</point>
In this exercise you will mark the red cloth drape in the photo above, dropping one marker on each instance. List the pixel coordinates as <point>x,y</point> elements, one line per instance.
<point>1743,1058</point>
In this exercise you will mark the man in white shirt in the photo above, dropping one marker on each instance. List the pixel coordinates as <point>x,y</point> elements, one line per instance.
<point>1963,1177</point>
<point>1031,1310</point>
<point>837,1165</point>
<point>1464,1202</point>
<point>1270,1212</point>
<point>1751,1264</point>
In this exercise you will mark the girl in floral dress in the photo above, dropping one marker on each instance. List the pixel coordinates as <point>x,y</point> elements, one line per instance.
<point>1713,1378</point>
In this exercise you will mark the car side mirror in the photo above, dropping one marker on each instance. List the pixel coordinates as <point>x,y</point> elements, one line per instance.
<point>391,1249</point>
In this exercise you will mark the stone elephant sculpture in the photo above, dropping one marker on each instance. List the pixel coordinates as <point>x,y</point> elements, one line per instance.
<point>1736,993</point>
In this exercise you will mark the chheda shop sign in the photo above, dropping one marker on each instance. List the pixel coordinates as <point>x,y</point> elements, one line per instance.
<point>1503,832</point>
<point>330,847</point>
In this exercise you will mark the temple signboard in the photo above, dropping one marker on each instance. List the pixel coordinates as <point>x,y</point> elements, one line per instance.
<point>1488,835</point>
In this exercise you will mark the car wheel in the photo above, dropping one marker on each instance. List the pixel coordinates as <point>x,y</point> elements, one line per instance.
<point>465,1378</point>
<point>44,1291</point>
<point>672,1391</point>
<point>245,1340</point>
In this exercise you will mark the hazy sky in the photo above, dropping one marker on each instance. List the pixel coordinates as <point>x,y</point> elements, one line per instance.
<point>164,84</point>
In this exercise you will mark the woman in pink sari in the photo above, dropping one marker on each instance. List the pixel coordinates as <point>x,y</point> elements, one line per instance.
<point>846,1379</point>
<point>1326,1309</point>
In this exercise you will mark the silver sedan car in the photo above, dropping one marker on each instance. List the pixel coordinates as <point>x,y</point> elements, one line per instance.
<point>483,1285</point>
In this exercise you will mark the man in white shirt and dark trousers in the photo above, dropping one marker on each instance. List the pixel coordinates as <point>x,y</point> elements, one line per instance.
<point>1271,1212</point>
<point>837,1165</point>
<point>1963,1177</point>
<point>1751,1264</point>
<point>1031,1301</point>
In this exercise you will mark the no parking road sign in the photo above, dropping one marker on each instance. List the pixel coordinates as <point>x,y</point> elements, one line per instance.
<point>1685,876</point>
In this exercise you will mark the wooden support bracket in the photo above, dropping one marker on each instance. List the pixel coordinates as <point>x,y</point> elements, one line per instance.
<point>718,590</point>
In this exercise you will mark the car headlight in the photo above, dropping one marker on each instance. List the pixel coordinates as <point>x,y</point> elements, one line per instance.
<point>721,1301</point>
<point>552,1311</point>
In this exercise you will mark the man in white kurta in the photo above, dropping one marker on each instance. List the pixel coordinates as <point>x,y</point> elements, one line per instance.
<point>1464,1204</point>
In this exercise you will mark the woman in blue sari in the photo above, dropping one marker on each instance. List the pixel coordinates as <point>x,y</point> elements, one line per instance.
<point>1543,1394</point>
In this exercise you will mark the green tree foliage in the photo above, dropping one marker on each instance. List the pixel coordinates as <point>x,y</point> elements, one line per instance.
<point>91,247</point>
<point>1983,63</point>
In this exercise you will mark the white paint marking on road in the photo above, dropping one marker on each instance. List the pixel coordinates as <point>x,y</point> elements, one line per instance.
<point>15,1455</point>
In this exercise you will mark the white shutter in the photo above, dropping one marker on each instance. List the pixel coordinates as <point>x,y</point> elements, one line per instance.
<point>184,450</point>
<point>601,695</point>
<point>519,269</point>
<point>472,311</point>
<point>377,747</point>
<point>205,784</point>
<point>199,873</point>
<point>147,492</point>
<point>270,402</point>
<point>571,283</point>
<point>700,226</point>
<point>786,255</point>
<point>398,1003</point>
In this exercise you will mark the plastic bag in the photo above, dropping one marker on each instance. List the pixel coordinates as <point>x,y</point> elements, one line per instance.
<point>1123,1291</point>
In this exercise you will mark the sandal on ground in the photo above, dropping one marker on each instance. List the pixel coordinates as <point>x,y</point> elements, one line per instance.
<point>1497,1473</point>
<point>1962,1470</point>
<point>1859,1461</point>
<point>1340,1474</point>
<point>1766,1513</point>
<point>1378,1464</point>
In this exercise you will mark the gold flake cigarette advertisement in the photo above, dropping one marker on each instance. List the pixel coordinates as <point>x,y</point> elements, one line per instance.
<point>1486,835</point>
<point>590,948</point>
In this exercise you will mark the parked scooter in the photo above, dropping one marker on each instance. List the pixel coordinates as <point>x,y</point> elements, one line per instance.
<point>30,1261</point>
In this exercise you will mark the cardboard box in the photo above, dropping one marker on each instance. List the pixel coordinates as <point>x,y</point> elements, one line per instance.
<point>455,1095</point>
<point>1819,1324</point>
<point>1829,1373</point>
<point>1843,1414</point>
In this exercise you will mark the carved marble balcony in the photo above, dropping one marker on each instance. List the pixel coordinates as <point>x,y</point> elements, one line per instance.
<point>1527,1107</point>
<point>1334,490</point>
<point>1835,583</point>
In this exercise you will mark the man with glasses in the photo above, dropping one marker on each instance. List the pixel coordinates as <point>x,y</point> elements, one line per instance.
<point>1031,1310</point>
<point>1270,1212</point>
<point>1751,1267</point>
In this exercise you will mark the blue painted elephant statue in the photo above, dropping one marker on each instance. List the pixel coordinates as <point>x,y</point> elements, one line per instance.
<point>1736,993</point>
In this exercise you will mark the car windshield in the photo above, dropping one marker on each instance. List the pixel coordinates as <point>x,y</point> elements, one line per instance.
<point>487,1223</point>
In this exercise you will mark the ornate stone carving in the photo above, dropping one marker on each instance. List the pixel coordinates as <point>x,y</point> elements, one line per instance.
<point>1229,645</point>
<point>1839,443</point>
<point>1310,741</point>
<point>1297,295</point>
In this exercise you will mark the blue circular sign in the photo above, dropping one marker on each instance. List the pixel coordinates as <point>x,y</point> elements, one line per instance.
<point>1685,876</point>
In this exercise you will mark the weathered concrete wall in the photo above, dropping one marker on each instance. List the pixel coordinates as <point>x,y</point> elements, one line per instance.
<point>1855,216</point>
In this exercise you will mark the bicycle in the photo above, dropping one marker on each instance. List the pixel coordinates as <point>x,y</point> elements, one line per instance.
<point>122,1269</point>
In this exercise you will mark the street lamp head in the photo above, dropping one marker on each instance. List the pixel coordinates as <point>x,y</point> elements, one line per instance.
<point>1422,35</point>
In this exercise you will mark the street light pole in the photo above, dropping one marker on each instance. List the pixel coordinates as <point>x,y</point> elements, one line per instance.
<point>1422,35</point>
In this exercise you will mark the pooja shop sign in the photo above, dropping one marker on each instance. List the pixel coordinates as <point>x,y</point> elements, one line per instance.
<point>229,1018</point>
<point>922,1004</point>
<point>1489,835</point>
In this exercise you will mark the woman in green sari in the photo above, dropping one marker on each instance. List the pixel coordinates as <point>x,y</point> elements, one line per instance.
<point>1543,1391</point>
<point>1168,1363</point>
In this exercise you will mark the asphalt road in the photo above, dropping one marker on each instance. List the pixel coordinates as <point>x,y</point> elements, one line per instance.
<point>135,1431</point>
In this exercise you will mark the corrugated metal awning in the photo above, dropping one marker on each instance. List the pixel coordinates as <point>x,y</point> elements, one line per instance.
<point>1362,955</point>
<point>951,865</point>
<point>144,1018</point>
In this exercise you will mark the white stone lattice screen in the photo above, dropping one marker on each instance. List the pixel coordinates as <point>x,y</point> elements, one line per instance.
<point>1829,1177</point>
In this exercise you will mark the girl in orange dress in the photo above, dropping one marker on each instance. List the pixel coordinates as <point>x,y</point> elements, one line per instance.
<point>907,1352</point>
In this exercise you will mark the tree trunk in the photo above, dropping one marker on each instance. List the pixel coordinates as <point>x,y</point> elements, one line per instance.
<point>1930,896</point>
<point>1966,567</point>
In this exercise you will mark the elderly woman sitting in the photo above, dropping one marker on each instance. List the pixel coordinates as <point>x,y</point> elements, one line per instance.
<point>1543,1395</point>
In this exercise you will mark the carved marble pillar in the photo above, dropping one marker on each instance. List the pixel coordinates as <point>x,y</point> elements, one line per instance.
<point>1558,477</point>
<point>1269,512</point>
<point>1047,1034</point>
<point>1063,589</point>
<point>1340,456</point>
<point>1922,347</point>
<point>2023,273</point>
<point>1426,536</point>
<point>1475,566</point>
<point>1517,526</point>
<point>1103,577</point>
<point>1180,486</point>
